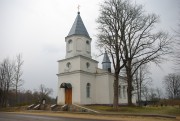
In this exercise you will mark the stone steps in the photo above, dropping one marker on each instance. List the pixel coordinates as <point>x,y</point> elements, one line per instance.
<point>78,108</point>
<point>66,107</point>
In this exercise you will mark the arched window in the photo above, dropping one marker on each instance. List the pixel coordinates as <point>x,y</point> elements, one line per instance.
<point>87,65</point>
<point>119,91</point>
<point>69,45</point>
<point>88,47</point>
<point>87,42</point>
<point>124,91</point>
<point>88,88</point>
<point>68,65</point>
<point>70,41</point>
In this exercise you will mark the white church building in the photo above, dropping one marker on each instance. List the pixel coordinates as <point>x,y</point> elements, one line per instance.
<point>80,81</point>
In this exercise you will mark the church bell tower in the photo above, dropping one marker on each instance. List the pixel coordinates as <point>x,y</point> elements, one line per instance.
<point>78,41</point>
<point>77,70</point>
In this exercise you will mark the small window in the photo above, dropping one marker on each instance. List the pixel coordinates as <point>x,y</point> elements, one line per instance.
<point>70,41</point>
<point>88,87</point>
<point>87,42</point>
<point>87,65</point>
<point>68,65</point>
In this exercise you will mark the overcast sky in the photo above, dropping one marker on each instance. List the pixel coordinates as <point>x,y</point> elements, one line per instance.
<point>37,29</point>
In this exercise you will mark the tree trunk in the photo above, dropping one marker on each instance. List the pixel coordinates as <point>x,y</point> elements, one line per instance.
<point>140,91</point>
<point>129,81</point>
<point>6,97</point>
<point>129,91</point>
<point>116,83</point>
<point>138,88</point>
<point>138,94</point>
<point>16,96</point>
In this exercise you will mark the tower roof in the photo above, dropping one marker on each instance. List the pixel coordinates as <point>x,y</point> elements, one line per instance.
<point>106,58</point>
<point>78,27</point>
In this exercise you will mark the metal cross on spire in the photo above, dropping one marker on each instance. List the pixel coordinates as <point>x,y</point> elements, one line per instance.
<point>78,7</point>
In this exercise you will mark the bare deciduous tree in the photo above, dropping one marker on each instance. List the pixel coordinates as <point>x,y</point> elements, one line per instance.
<point>172,85</point>
<point>108,38</point>
<point>6,80</point>
<point>159,93</point>
<point>176,55</point>
<point>2,85</point>
<point>142,80</point>
<point>145,93</point>
<point>44,92</point>
<point>152,94</point>
<point>10,78</point>
<point>127,30</point>
<point>18,81</point>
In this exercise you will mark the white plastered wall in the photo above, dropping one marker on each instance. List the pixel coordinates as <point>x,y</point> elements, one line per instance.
<point>87,78</point>
<point>92,67</point>
<point>79,46</point>
<point>75,65</point>
<point>102,89</point>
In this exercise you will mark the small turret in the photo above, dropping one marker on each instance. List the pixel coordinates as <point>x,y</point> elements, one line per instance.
<point>106,63</point>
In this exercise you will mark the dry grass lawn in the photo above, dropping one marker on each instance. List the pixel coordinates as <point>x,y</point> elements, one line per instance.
<point>168,110</point>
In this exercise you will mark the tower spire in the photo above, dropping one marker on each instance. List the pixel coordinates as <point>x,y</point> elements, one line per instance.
<point>106,63</point>
<point>78,27</point>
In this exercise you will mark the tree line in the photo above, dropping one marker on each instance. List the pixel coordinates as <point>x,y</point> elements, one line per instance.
<point>10,78</point>
<point>11,81</point>
<point>172,81</point>
<point>28,97</point>
<point>172,85</point>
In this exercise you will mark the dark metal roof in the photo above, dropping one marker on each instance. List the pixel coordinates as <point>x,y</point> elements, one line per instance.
<point>78,27</point>
<point>65,85</point>
<point>106,58</point>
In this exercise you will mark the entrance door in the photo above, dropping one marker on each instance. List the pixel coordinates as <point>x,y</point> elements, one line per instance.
<point>68,95</point>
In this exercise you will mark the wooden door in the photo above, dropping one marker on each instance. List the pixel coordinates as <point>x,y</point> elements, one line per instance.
<point>68,95</point>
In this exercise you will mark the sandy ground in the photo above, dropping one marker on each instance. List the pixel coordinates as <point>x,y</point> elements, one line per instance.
<point>103,117</point>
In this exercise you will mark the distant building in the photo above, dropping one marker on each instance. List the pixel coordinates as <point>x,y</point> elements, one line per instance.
<point>80,81</point>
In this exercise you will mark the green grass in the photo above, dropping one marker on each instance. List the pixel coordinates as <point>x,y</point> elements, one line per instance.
<point>169,110</point>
